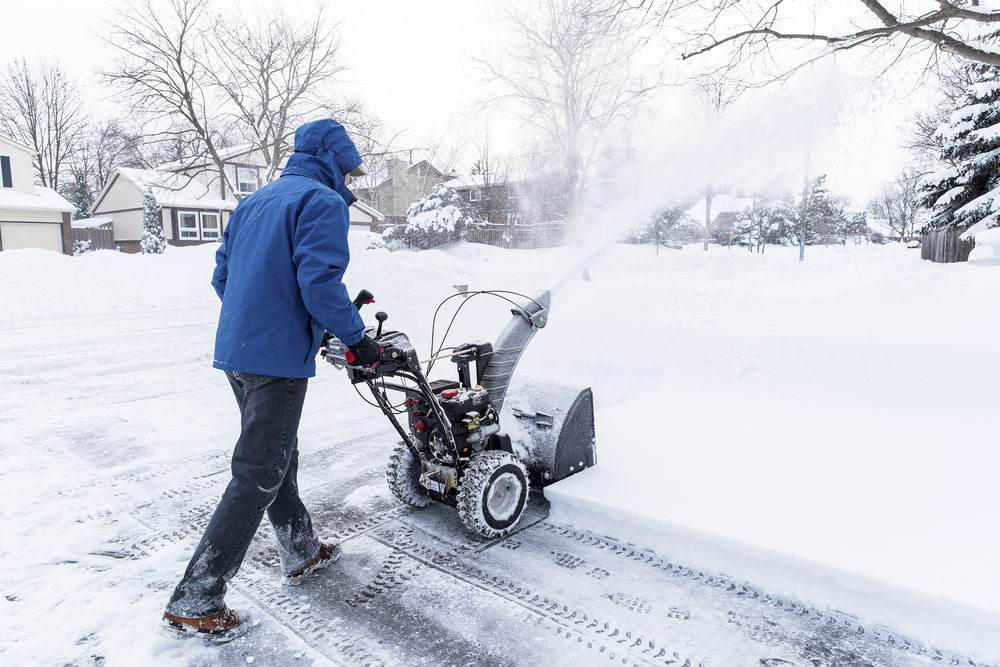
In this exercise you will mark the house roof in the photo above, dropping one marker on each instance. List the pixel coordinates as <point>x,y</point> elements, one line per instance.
<point>460,181</point>
<point>381,176</point>
<point>18,144</point>
<point>369,210</point>
<point>466,181</point>
<point>169,189</point>
<point>44,199</point>
<point>721,203</point>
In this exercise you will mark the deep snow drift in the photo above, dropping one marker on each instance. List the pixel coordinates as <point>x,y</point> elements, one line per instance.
<point>825,428</point>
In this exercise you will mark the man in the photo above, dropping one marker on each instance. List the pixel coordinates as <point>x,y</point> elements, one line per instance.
<point>279,274</point>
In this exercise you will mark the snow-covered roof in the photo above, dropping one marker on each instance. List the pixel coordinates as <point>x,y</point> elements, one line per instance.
<point>174,190</point>
<point>15,142</point>
<point>369,210</point>
<point>721,203</point>
<point>461,181</point>
<point>466,181</point>
<point>91,223</point>
<point>44,199</point>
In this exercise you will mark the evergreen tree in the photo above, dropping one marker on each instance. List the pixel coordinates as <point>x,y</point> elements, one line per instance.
<point>967,191</point>
<point>857,226</point>
<point>152,240</point>
<point>766,223</point>
<point>669,225</point>
<point>79,195</point>
<point>439,218</point>
<point>825,219</point>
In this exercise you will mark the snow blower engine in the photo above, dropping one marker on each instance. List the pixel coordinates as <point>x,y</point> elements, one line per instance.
<point>453,449</point>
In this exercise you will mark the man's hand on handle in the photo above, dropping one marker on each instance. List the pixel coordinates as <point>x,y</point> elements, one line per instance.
<point>363,353</point>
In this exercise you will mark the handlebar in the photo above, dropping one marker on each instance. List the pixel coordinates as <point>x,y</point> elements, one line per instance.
<point>363,297</point>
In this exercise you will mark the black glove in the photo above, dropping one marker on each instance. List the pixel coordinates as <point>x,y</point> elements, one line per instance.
<point>365,352</point>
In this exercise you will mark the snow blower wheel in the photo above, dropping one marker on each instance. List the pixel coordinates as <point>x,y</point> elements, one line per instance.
<point>403,476</point>
<point>493,493</point>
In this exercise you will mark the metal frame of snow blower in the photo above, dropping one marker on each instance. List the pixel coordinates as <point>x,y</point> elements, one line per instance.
<point>441,408</point>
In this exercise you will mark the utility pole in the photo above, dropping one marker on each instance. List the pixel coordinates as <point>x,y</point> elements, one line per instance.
<point>805,204</point>
<point>709,194</point>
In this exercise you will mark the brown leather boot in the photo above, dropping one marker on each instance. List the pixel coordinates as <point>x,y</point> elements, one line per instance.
<point>219,627</point>
<point>328,553</point>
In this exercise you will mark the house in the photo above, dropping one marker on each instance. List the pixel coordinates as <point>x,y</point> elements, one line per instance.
<point>398,185</point>
<point>194,202</point>
<point>189,210</point>
<point>725,209</point>
<point>497,202</point>
<point>31,216</point>
<point>531,200</point>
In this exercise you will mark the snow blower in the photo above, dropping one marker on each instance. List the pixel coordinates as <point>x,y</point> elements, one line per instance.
<point>453,449</point>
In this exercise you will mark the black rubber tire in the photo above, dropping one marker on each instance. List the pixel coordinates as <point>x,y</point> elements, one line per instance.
<point>403,476</point>
<point>493,493</point>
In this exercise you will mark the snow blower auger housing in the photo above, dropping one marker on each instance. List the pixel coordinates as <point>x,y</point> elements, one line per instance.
<point>453,449</point>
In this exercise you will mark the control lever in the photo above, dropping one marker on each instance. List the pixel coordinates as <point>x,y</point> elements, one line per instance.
<point>381,317</point>
<point>363,297</point>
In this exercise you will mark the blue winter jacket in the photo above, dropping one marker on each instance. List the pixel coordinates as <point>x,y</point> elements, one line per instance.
<point>280,267</point>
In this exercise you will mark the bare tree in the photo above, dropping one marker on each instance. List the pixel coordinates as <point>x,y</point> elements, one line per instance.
<point>40,106</point>
<point>718,92</point>
<point>492,164</point>
<point>924,141</point>
<point>571,73</point>
<point>897,206</point>
<point>495,168</point>
<point>101,149</point>
<point>272,72</point>
<point>162,66</point>
<point>747,28</point>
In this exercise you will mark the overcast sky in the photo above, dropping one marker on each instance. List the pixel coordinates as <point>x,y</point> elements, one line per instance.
<point>406,58</point>
<point>408,62</point>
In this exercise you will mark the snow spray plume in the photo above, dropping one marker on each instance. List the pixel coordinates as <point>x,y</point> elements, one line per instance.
<point>675,157</point>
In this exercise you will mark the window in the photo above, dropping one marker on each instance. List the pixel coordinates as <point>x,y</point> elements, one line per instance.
<point>210,226</point>
<point>197,226</point>
<point>475,194</point>
<point>187,225</point>
<point>5,171</point>
<point>247,180</point>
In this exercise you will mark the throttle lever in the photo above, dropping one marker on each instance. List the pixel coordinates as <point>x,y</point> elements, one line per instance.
<point>381,316</point>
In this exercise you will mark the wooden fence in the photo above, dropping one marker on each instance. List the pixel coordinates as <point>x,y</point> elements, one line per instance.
<point>945,247</point>
<point>101,238</point>
<point>534,236</point>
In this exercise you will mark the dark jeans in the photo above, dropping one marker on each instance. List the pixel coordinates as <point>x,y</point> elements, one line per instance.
<point>265,463</point>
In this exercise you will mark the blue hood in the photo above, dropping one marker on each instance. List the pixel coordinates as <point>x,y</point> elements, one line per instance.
<point>323,151</point>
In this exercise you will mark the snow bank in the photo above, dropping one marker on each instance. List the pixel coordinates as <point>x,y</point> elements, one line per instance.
<point>817,415</point>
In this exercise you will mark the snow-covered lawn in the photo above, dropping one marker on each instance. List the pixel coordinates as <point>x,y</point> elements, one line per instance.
<point>826,428</point>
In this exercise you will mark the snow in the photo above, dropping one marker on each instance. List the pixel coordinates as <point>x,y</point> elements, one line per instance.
<point>823,428</point>
<point>987,248</point>
<point>44,199</point>
<point>91,223</point>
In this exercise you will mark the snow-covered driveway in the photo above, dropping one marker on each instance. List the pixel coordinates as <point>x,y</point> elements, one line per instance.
<point>115,435</point>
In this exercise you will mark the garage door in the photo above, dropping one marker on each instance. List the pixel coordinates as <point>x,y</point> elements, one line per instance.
<point>14,235</point>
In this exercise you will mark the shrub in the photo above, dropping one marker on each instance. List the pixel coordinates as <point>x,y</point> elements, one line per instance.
<point>439,218</point>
